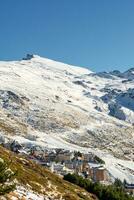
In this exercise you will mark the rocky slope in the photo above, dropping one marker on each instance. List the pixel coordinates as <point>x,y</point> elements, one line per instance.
<point>34,182</point>
<point>47,103</point>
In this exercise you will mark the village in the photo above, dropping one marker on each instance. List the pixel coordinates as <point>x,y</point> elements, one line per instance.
<point>62,162</point>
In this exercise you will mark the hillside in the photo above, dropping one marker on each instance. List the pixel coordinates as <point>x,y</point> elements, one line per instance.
<point>51,104</point>
<point>37,183</point>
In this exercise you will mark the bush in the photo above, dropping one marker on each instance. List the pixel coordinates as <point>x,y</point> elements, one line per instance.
<point>99,160</point>
<point>6,178</point>
<point>118,183</point>
<point>103,192</point>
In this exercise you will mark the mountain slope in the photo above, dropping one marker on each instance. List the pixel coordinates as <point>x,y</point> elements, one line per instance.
<point>47,103</point>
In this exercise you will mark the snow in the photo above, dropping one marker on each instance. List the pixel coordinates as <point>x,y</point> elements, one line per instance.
<point>117,168</point>
<point>28,194</point>
<point>60,105</point>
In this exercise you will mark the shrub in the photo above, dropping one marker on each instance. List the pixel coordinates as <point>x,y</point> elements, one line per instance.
<point>99,160</point>
<point>103,192</point>
<point>6,178</point>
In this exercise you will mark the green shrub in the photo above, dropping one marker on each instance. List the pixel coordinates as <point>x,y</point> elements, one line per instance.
<point>6,178</point>
<point>103,192</point>
<point>99,160</point>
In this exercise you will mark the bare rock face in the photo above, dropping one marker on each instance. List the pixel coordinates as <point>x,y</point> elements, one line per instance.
<point>28,57</point>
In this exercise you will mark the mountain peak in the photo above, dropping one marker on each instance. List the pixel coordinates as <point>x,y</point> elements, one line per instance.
<point>57,64</point>
<point>30,56</point>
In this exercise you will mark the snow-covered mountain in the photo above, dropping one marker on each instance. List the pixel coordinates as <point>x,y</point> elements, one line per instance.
<point>49,103</point>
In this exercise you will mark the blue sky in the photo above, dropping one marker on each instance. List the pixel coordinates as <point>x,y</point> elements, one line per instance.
<point>94,33</point>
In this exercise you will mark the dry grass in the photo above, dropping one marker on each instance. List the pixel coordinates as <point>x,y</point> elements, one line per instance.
<point>38,177</point>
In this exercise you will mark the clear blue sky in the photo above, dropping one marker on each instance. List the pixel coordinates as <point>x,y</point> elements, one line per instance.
<point>94,33</point>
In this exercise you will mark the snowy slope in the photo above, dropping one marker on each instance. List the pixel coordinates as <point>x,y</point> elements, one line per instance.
<point>49,103</point>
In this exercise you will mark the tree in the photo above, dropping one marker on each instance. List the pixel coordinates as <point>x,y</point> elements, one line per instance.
<point>103,192</point>
<point>118,183</point>
<point>6,178</point>
<point>99,160</point>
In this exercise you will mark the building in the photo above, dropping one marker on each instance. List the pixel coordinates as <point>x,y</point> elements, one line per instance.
<point>49,157</point>
<point>64,156</point>
<point>98,172</point>
<point>89,157</point>
<point>69,164</point>
<point>15,146</point>
<point>78,166</point>
<point>129,188</point>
